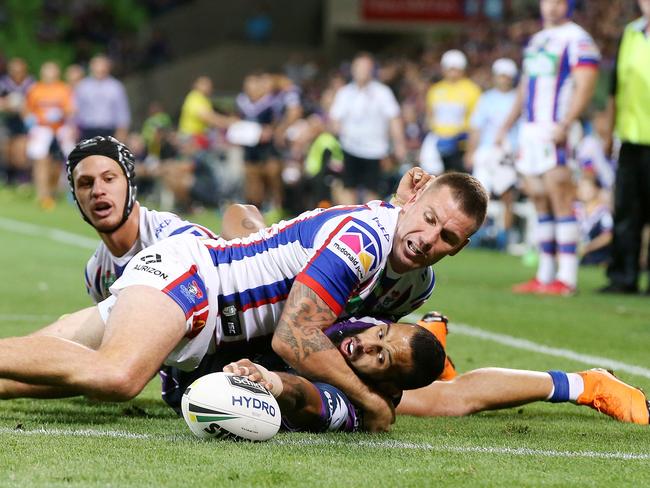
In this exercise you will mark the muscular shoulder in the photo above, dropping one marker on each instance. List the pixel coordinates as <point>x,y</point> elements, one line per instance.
<point>376,219</point>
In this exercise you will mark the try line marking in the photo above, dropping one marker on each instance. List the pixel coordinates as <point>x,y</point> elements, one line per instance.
<point>316,442</point>
<point>462,329</point>
<point>41,231</point>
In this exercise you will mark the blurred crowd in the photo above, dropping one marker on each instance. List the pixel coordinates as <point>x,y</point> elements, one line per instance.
<point>303,136</point>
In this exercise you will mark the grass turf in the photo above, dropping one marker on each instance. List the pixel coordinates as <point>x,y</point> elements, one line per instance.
<point>75,442</point>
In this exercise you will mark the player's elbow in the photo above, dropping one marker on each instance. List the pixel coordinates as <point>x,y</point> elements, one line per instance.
<point>282,349</point>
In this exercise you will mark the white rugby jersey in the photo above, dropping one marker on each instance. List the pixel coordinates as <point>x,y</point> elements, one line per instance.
<point>549,57</point>
<point>394,295</point>
<point>103,268</point>
<point>235,291</point>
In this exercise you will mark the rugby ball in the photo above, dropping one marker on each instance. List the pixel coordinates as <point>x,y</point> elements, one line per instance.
<point>225,406</point>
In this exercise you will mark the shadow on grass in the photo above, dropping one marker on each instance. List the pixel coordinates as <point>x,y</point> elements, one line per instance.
<point>79,411</point>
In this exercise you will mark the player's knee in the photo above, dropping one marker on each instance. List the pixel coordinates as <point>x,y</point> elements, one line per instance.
<point>115,384</point>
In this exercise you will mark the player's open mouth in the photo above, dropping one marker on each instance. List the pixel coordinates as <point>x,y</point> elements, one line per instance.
<point>102,209</point>
<point>350,347</point>
<point>414,249</point>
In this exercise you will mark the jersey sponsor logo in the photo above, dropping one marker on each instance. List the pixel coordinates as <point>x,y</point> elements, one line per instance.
<point>161,226</point>
<point>541,63</point>
<point>381,228</point>
<point>230,323</point>
<point>151,258</point>
<point>150,270</point>
<point>245,384</point>
<point>357,248</point>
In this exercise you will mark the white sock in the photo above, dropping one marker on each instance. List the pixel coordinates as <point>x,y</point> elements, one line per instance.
<point>566,235</point>
<point>567,387</point>
<point>546,241</point>
<point>576,386</point>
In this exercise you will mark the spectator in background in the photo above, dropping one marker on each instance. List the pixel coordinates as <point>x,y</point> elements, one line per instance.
<point>559,76</point>
<point>492,164</point>
<point>13,90</point>
<point>262,166</point>
<point>629,117</point>
<point>102,104</point>
<point>287,108</point>
<point>49,110</point>
<point>449,105</point>
<point>591,157</point>
<point>413,133</point>
<point>73,74</point>
<point>198,116</point>
<point>154,127</point>
<point>187,171</point>
<point>596,224</point>
<point>366,117</point>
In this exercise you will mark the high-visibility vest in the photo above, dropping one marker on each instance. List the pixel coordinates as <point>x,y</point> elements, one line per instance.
<point>633,85</point>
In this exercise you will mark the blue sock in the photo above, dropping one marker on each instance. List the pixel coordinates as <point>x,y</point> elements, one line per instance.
<point>560,387</point>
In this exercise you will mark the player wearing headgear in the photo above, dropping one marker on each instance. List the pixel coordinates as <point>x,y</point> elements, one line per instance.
<point>101,174</point>
<point>560,70</point>
<point>175,300</point>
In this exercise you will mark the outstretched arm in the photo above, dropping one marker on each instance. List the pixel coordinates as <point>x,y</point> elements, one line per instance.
<point>305,406</point>
<point>299,400</point>
<point>299,340</point>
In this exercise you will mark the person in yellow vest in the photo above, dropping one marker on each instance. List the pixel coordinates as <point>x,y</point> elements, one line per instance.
<point>450,104</point>
<point>197,114</point>
<point>629,119</point>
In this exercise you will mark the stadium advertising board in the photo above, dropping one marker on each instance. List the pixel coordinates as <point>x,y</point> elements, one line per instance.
<point>412,10</point>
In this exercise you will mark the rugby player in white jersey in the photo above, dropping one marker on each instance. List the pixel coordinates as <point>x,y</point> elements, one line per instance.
<point>97,169</point>
<point>559,75</point>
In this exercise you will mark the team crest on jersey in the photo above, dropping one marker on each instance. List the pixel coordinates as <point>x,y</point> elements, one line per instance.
<point>192,291</point>
<point>357,248</point>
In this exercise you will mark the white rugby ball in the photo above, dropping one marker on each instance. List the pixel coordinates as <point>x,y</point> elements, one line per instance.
<point>224,406</point>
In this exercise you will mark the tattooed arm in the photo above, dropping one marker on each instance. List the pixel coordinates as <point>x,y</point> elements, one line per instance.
<point>240,221</point>
<point>300,341</point>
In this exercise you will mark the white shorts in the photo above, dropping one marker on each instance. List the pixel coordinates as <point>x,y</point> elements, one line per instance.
<point>180,267</point>
<point>490,169</point>
<point>40,138</point>
<point>537,151</point>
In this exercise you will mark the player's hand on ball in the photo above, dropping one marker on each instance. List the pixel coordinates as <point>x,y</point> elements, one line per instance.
<point>257,373</point>
<point>245,367</point>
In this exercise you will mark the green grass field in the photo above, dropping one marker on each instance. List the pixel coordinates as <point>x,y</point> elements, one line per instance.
<point>142,443</point>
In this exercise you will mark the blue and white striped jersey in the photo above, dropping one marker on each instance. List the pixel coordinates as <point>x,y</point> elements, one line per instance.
<point>233,291</point>
<point>549,58</point>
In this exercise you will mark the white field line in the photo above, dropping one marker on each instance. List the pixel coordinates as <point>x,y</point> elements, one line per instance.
<point>41,231</point>
<point>526,345</point>
<point>379,444</point>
